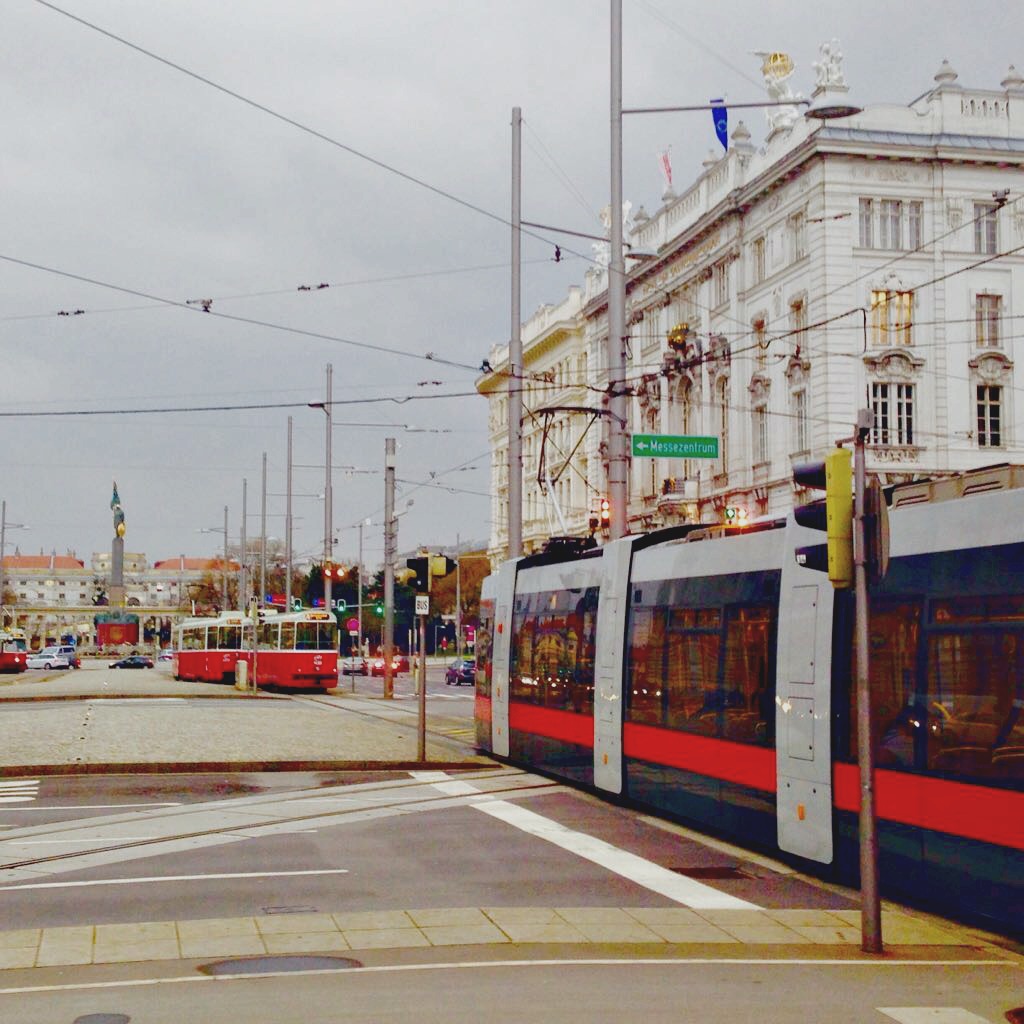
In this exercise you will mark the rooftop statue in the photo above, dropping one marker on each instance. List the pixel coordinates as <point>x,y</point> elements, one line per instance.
<point>829,68</point>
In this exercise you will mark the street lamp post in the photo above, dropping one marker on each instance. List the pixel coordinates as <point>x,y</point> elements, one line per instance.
<point>224,567</point>
<point>328,502</point>
<point>4,527</point>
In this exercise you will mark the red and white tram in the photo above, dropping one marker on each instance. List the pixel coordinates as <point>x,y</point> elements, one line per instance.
<point>298,650</point>
<point>13,650</point>
<point>710,678</point>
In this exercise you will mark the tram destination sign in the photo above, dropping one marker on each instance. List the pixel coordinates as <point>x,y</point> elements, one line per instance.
<point>668,446</point>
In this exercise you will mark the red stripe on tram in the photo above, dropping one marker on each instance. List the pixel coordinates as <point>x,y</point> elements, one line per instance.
<point>556,725</point>
<point>721,759</point>
<point>941,805</point>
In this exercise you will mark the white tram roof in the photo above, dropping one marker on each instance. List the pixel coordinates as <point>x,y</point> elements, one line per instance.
<point>243,619</point>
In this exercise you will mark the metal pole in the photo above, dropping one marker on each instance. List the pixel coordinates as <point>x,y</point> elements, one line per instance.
<point>243,574</point>
<point>288,527</point>
<point>263,535</point>
<point>224,606</point>
<point>389,564</point>
<point>870,914</point>
<point>359,595</point>
<point>458,599</point>
<point>515,354</point>
<point>3,537</point>
<point>421,739</point>
<point>616,399</point>
<point>328,511</point>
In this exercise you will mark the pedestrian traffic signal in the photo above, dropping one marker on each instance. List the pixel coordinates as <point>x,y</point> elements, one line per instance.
<point>833,514</point>
<point>606,513</point>
<point>340,604</point>
<point>735,515</point>
<point>421,574</point>
<point>297,604</point>
<point>378,608</point>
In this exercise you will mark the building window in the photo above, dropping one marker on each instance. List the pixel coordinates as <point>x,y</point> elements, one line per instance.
<point>893,408</point>
<point>891,313</point>
<point>760,433</point>
<point>758,256</point>
<point>798,323</point>
<point>797,236</point>
<point>915,217</point>
<point>866,221</point>
<point>990,433</point>
<point>890,214</point>
<point>723,422</point>
<point>720,281</point>
<point>800,433</point>
<point>985,218</point>
<point>761,342</point>
<point>987,313</point>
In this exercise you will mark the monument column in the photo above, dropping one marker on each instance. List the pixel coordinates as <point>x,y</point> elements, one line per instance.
<point>116,593</point>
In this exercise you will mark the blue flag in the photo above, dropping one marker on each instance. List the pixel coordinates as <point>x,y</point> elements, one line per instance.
<point>721,118</point>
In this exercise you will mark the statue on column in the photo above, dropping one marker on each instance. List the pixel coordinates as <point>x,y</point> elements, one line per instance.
<point>115,505</point>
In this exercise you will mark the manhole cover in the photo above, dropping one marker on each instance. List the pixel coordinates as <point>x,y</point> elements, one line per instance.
<point>273,965</point>
<point>103,1018</point>
<point>1015,1016</point>
<point>711,872</point>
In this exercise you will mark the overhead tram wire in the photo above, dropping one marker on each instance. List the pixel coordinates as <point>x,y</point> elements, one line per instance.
<point>284,118</point>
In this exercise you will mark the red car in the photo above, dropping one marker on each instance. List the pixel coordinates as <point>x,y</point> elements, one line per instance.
<point>399,664</point>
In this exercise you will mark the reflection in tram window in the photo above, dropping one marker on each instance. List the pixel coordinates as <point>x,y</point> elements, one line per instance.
<point>553,636</point>
<point>704,670</point>
<point>947,686</point>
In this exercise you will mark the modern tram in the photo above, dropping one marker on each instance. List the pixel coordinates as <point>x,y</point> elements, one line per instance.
<point>707,676</point>
<point>297,650</point>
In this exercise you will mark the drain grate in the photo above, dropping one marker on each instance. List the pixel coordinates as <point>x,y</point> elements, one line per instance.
<point>275,965</point>
<point>719,872</point>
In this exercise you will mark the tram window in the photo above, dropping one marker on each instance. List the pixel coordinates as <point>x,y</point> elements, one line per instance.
<point>483,656</point>
<point>229,638</point>
<point>691,670</point>
<point>748,680</point>
<point>522,684</point>
<point>976,679</point>
<point>287,636</point>
<point>899,712</point>
<point>646,666</point>
<point>266,636</point>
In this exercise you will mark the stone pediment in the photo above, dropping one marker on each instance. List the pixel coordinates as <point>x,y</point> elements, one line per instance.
<point>894,363</point>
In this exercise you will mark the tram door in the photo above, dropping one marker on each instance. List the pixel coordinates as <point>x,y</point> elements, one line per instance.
<point>504,602</point>
<point>609,664</point>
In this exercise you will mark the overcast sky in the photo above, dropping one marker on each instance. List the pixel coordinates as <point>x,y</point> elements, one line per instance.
<point>123,170</point>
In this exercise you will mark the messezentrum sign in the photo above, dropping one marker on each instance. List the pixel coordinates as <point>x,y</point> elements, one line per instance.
<point>667,446</point>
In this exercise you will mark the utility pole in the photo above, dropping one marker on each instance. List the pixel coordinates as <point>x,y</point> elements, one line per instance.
<point>288,527</point>
<point>515,353</point>
<point>243,572</point>
<point>458,600</point>
<point>328,502</point>
<point>224,605</point>
<point>263,536</point>
<point>389,565</point>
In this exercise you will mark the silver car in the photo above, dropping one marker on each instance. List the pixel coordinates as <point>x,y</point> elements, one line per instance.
<point>47,659</point>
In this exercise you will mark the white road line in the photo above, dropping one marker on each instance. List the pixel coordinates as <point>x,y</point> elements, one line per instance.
<point>90,839</point>
<point>687,891</point>
<point>931,1015</point>
<point>171,878</point>
<point>16,799</point>
<point>476,965</point>
<point>98,807</point>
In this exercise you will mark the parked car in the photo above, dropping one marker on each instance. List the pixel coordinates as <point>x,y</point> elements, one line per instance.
<point>461,671</point>
<point>354,666</point>
<point>42,659</point>
<point>133,661</point>
<point>399,664</point>
<point>63,651</point>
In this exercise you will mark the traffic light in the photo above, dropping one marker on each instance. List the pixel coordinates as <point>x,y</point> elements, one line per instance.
<point>378,608</point>
<point>421,574</point>
<point>605,513</point>
<point>328,571</point>
<point>441,565</point>
<point>834,515</point>
<point>340,604</point>
<point>735,515</point>
<point>297,604</point>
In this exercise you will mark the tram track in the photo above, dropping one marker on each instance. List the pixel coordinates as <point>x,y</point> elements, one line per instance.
<point>443,738</point>
<point>537,784</point>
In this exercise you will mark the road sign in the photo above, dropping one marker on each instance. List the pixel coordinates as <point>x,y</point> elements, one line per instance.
<point>422,604</point>
<point>669,446</point>
<point>352,625</point>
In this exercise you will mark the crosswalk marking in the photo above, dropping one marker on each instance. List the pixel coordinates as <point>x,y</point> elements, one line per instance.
<point>931,1015</point>
<point>18,791</point>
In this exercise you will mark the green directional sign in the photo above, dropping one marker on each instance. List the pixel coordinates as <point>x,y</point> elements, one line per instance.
<point>667,446</point>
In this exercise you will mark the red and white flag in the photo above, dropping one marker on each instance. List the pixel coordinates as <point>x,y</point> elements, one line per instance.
<point>666,166</point>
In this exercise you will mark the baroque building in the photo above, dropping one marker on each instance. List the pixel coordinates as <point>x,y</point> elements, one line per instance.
<point>873,262</point>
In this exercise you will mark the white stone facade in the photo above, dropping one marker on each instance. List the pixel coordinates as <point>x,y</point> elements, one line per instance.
<point>872,262</point>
